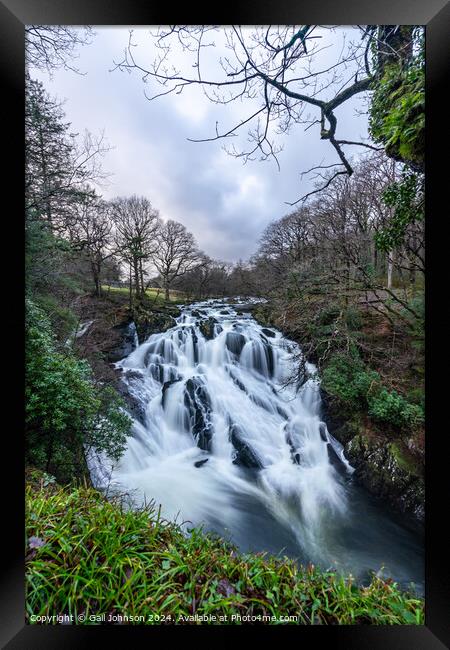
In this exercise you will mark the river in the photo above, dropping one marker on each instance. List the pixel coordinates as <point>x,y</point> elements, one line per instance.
<point>227,442</point>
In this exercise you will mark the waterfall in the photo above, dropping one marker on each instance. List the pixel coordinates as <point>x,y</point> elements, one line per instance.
<point>227,441</point>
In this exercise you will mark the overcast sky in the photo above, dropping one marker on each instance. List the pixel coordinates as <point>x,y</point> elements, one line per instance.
<point>224,203</point>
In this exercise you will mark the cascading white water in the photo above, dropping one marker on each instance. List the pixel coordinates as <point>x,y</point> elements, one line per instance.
<point>226,441</point>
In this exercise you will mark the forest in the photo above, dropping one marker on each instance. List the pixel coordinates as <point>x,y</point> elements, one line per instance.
<point>339,273</point>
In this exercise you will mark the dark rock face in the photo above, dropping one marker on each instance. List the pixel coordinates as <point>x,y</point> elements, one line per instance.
<point>382,467</point>
<point>267,406</point>
<point>198,403</point>
<point>270,359</point>
<point>153,322</point>
<point>284,414</point>
<point>235,379</point>
<point>157,371</point>
<point>126,343</point>
<point>135,407</point>
<point>206,327</point>
<point>338,421</point>
<point>166,386</point>
<point>262,356</point>
<point>268,332</point>
<point>245,456</point>
<point>387,471</point>
<point>334,458</point>
<point>235,342</point>
<point>182,335</point>
<point>323,432</point>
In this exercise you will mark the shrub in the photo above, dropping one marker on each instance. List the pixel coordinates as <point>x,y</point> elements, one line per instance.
<point>347,378</point>
<point>66,414</point>
<point>393,408</point>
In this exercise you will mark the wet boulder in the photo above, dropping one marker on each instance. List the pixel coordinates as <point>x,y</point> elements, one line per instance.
<point>156,370</point>
<point>270,358</point>
<point>206,327</point>
<point>264,404</point>
<point>198,404</point>
<point>245,456</point>
<point>166,386</point>
<point>281,411</point>
<point>199,463</point>
<point>334,458</point>
<point>323,431</point>
<point>154,321</point>
<point>235,342</point>
<point>134,406</point>
<point>236,380</point>
<point>268,332</point>
<point>262,358</point>
<point>125,334</point>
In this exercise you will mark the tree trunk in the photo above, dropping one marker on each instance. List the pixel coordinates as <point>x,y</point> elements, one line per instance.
<point>136,276</point>
<point>96,276</point>
<point>131,289</point>
<point>141,272</point>
<point>166,292</point>
<point>390,269</point>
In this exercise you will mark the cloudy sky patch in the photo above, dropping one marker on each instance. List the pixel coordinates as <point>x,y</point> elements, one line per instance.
<point>224,203</point>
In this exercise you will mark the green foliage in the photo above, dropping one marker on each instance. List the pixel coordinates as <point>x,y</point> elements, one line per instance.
<point>52,267</point>
<point>397,112</point>
<point>394,409</point>
<point>348,379</point>
<point>62,319</point>
<point>328,315</point>
<point>353,319</point>
<point>405,198</point>
<point>66,414</point>
<point>88,556</point>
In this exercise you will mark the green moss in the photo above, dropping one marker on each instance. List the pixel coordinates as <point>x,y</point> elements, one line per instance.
<point>404,459</point>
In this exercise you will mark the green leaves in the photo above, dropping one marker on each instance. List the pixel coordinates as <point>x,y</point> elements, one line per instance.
<point>397,112</point>
<point>407,202</point>
<point>65,412</point>
<point>393,408</point>
<point>348,379</point>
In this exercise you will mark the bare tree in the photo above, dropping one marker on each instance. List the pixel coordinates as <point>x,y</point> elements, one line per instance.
<point>176,253</point>
<point>137,225</point>
<point>92,233</point>
<point>278,71</point>
<point>49,47</point>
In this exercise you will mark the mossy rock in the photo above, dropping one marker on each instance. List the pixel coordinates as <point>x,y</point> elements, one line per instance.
<point>388,470</point>
<point>206,327</point>
<point>155,321</point>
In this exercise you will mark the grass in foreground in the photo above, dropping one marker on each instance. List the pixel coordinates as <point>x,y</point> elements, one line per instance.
<point>88,556</point>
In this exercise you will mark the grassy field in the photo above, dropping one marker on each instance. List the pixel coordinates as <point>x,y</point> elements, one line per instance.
<point>93,559</point>
<point>152,293</point>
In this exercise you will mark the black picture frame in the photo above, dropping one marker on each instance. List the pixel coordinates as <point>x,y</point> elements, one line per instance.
<point>435,14</point>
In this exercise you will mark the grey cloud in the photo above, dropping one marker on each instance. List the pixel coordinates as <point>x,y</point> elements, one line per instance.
<point>224,203</point>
